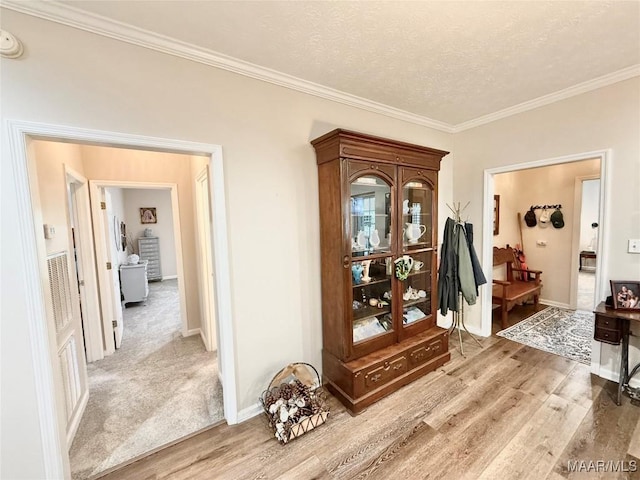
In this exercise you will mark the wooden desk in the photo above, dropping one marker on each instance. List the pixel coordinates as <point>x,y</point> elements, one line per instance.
<point>586,254</point>
<point>612,326</point>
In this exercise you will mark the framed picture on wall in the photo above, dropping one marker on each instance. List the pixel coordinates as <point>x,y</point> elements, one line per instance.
<point>496,214</point>
<point>148,215</point>
<point>626,294</point>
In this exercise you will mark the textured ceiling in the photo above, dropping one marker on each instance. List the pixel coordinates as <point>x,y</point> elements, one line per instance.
<point>451,61</point>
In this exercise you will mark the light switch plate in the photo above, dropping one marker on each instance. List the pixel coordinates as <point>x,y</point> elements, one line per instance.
<point>634,245</point>
<point>49,231</point>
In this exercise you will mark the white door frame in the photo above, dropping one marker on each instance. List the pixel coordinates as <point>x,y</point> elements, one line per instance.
<point>56,457</point>
<point>90,301</point>
<point>205,265</point>
<point>605,157</point>
<point>101,245</point>
<point>575,244</point>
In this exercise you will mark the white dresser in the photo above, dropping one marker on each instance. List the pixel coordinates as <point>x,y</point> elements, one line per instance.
<point>149,249</point>
<point>133,282</point>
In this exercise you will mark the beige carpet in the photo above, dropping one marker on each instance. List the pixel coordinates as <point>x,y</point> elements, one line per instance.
<point>586,290</point>
<point>158,387</point>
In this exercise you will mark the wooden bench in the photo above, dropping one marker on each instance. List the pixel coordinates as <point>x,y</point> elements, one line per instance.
<point>512,291</point>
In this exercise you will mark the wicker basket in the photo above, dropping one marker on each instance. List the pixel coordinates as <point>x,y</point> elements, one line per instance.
<point>294,402</point>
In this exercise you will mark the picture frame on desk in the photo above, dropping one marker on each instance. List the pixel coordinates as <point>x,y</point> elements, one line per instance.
<point>626,294</point>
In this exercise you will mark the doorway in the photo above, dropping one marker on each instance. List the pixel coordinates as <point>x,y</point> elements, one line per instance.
<point>537,240</point>
<point>50,407</point>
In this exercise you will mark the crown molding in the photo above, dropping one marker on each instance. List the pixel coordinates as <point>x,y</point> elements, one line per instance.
<point>609,79</point>
<point>80,19</point>
<point>76,18</point>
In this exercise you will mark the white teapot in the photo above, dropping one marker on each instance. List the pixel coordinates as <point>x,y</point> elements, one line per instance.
<point>414,231</point>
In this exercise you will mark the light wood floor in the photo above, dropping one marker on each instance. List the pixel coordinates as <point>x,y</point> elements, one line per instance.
<point>506,411</point>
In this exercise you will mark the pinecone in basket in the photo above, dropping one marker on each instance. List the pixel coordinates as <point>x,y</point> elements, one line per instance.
<point>269,399</point>
<point>286,391</point>
<point>299,389</point>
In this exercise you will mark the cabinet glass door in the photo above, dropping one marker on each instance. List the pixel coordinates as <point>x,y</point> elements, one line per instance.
<point>371,258</point>
<point>417,204</point>
<point>416,290</point>
<point>417,245</point>
<point>370,216</point>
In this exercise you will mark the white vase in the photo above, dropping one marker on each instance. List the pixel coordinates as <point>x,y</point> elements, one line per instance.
<point>133,259</point>
<point>361,239</point>
<point>374,239</point>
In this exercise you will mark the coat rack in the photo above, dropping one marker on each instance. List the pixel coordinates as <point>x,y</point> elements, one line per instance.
<point>544,207</point>
<point>458,317</point>
<point>457,211</point>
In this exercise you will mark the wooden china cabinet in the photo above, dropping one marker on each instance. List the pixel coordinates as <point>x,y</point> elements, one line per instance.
<point>378,204</point>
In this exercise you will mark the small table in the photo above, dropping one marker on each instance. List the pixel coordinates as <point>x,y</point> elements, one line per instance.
<point>612,326</point>
<point>586,254</point>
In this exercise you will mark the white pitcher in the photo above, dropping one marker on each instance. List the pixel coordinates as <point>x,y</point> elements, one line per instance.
<point>414,231</point>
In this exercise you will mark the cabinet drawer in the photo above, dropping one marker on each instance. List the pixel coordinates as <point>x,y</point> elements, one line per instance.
<point>373,377</point>
<point>608,336</point>
<point>425,352</point>
<point>607,322</point>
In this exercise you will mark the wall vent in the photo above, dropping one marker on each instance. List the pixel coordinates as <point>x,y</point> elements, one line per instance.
<point>60,285</point>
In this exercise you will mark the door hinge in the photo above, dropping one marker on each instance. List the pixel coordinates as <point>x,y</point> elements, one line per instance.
<point>103,205</point>
<point>114,323</point>
<point>108,265</point>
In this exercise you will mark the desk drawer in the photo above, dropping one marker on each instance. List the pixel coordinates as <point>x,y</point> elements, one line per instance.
<point>607,322</point>
<point>607,335</point>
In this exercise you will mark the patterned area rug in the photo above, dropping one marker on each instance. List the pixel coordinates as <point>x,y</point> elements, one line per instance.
<point>567,333</point>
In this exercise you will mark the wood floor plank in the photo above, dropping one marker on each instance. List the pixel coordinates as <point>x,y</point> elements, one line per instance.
<point>463,450</point>
<point>533,452</point>
<point>634,444</point>
<point>604,434</point>
<point>580,386</point>
<point>468,418</point>
<point>311,469</point>
<point>384,465</point>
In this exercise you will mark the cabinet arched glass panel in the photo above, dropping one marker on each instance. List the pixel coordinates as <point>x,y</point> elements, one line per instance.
<point>370,216</point>
<point>417,205</point>
<point>371,268</point>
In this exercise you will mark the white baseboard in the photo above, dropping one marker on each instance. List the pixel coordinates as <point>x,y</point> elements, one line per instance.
<point>249,412</point>
<point>555,304</point>
<point>614,376</point>
<point>193,331</point>
<point>169,277</point>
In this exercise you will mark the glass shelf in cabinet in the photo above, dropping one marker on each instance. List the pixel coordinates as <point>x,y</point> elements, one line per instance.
<point>369,311</point>
<point>412,314</point>
<point>373,281</point>
<point>370,327</point>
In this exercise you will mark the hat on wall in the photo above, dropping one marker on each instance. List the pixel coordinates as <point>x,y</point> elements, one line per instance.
<point>530,218</point>
<point>544,218</point>
<point>556,219</point>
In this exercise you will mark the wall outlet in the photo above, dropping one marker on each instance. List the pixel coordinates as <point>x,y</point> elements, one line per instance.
<point>49,231</point>
<point>634,245</point>
<point>541,243</point>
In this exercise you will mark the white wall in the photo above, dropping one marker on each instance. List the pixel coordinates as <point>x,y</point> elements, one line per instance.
<point>589,214</point>
<point>136,198</point>
<point>552,185</point>
<point>270,178</point>
<point>118,210</point>
<point>608,118</point>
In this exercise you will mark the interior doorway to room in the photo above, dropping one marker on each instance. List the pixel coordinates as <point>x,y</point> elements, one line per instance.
<point>20,162</point>
<point>555,251</point>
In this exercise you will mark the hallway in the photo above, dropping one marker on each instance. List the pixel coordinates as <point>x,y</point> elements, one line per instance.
<point>158,387</point>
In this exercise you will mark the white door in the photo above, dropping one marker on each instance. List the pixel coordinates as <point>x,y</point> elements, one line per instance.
<point>113,243</point>
<point>65,319</point>
<point>107,268</point>
<point>205,264</point>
